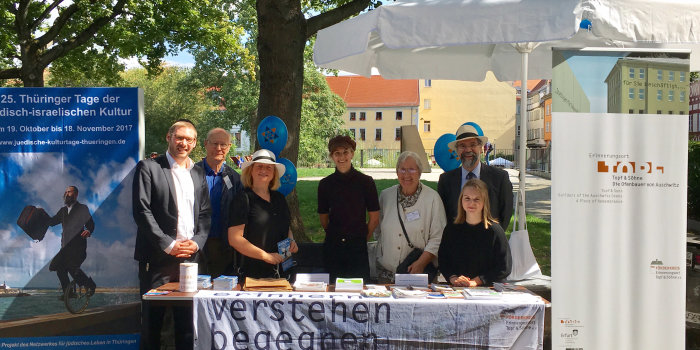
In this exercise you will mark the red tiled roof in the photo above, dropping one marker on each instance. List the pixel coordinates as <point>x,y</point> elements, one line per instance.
<point>530,83</point>
<point>358,91</point>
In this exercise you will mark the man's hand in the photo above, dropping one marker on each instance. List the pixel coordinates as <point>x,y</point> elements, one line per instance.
<point>184,249</point>
<point>85,234</point>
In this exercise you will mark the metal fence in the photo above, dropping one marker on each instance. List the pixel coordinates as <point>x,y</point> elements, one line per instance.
<point>537,159</point>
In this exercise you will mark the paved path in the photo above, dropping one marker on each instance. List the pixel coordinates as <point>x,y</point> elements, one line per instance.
<point>537,190</point>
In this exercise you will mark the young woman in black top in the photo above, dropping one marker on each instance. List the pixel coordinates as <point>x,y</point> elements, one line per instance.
<point>474,250</point>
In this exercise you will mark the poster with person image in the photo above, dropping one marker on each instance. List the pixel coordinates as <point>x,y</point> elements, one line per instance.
<point>66,155</point>
<point>619,199</point>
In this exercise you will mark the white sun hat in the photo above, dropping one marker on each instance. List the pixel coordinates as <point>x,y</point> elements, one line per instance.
<point>265,157</point>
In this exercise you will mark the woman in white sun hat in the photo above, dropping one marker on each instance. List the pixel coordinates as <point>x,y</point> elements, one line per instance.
<point>260,218</point>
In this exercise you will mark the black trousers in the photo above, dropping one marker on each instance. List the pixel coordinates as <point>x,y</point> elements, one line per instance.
<point>346,257</point>
<point>150,277</point>
<point>68,260</point>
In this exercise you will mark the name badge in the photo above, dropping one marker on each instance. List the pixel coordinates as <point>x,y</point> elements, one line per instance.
<point>412,216</point>
<point>227,181</point>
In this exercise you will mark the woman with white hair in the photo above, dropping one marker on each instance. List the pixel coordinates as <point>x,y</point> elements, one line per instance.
<point>260,218</point>
<point>412,219</point>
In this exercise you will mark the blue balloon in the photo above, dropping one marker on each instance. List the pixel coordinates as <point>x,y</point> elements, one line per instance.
<point>289,178</point>
<point>447,158</point>
<point>272,134</point>
<point>477,127</point>
<point>586,24</point>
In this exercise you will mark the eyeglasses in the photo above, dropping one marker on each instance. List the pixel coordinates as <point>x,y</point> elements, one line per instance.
<point>185,139</point>
<point>219,145</point>
<point>462,146</point>
<point>411,171</point>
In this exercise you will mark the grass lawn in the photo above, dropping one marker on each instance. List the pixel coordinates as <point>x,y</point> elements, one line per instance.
<point>538,229</point>
<point>314,172</point>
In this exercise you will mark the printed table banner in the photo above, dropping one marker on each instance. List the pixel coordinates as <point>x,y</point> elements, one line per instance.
<point>298,320</point>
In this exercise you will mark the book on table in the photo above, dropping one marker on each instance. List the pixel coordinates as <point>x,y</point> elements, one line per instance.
<point>481,293</point>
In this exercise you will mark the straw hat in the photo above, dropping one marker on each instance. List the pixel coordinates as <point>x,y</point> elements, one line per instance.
<point>466,132</point>
<point>265,157</point>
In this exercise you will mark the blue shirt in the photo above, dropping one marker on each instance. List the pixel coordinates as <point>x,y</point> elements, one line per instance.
<point>216,186</point>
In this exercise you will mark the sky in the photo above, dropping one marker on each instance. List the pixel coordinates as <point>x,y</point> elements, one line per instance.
<point>591,69</point>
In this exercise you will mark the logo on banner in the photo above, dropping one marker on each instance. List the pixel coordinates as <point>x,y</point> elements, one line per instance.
<point>605,166</point>
<point>664,272</point>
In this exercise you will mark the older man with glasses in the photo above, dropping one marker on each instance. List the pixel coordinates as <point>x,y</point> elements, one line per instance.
<point>224,184</point>
<point>469,145</point>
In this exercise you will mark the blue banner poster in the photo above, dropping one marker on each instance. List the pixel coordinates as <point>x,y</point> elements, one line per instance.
<point>66,156</point>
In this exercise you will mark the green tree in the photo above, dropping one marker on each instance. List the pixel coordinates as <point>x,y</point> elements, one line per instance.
<point>167,97</point>
<point>80,33</point>
<point>321,113</point>
<point>283,31</point>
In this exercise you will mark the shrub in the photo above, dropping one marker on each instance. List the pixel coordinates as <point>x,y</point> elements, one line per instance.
<point>694,179</point>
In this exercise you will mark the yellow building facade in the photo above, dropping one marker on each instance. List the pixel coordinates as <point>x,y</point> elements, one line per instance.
<point>447,104</point>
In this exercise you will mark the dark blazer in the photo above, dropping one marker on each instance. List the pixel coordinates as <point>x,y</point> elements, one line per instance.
<point>500,192</point>
<point>227,195</point>
<point>155,210</point>
<point>73,245</point>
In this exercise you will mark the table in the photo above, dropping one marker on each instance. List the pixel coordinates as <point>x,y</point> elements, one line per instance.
<point>313,320</point>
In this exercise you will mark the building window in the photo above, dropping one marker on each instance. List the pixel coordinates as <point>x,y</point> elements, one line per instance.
<point>363,115</point>
<point>670,75</point>
<point>641,111</point>
<point>399,115</point>
<point>641,73</point>
<point>631,73</point>
<point>428,83</point>
<point>681,112</point>
<point>670,95</point>
<point>631,111</point>
<point>670,112</point>
<point>352,131</point>
<point>631,93</point>
<point>353,115</point>
<point>518,130</point>
<point>659,95</point>
<point>681,96</point>
<point>548,126</point>
<point>377,134</point>
<point>426,126</point>
<point>660,75</point>
<point>378,115</point>
<point>426,103</point>
<point>398,134</point>
<point>681,76</point>
<point>658,111</point>
<point>362,134</point>
<point>641,94</point>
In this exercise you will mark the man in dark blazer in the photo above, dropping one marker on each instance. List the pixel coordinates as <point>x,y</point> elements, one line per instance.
<point>172,212</point>
<point>469,146</point>
<point>77,224</point>
<point>224,184</point>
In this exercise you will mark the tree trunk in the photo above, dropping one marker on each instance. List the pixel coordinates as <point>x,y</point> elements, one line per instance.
<point>281,41</point>
<point>32,70</point>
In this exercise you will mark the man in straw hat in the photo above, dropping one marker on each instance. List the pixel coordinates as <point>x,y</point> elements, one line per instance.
<point>172,214</point>
<point>469,146</point>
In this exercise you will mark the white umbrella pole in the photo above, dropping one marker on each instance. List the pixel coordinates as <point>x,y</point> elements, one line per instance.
<point>523,143</point>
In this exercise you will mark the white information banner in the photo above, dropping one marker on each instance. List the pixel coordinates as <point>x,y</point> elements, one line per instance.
<point>299,320</point>
<point>619,184</point>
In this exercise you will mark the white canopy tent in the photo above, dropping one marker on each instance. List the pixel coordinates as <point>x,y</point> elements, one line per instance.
<point>462,39</point>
